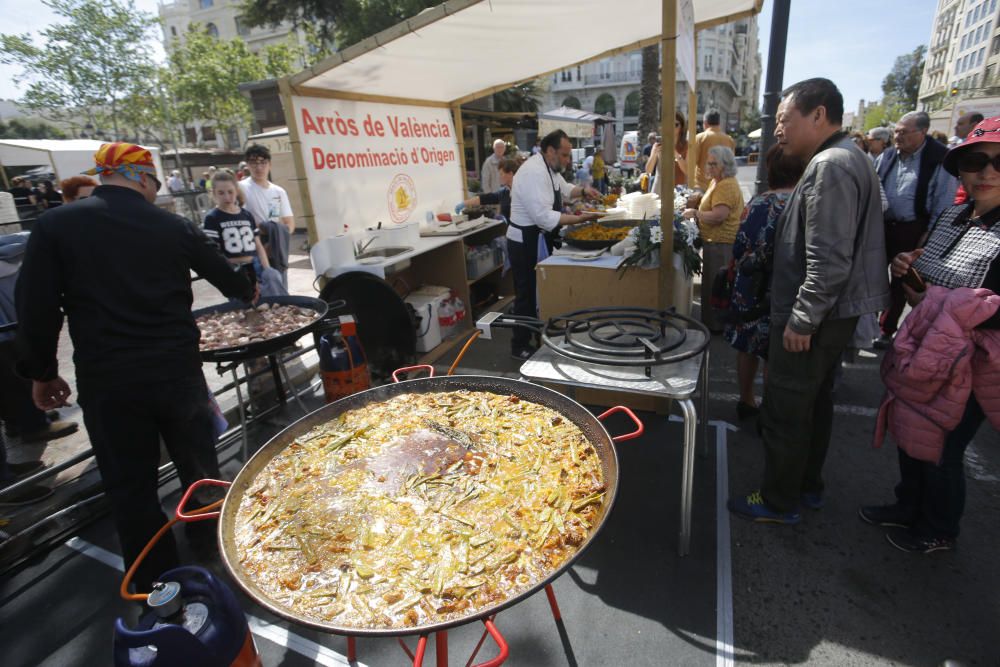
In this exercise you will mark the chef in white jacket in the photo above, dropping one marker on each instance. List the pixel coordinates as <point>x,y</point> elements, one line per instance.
<point>536,208</point>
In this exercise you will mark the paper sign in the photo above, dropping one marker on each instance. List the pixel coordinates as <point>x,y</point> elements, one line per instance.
<point>685,41</point>
<point>369,162</point>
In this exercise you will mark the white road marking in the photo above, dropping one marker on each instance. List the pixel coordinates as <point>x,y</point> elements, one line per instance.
<point>723,558</point>
<point>101,554</point>
<point>277,634</point>
<point>838,409</point>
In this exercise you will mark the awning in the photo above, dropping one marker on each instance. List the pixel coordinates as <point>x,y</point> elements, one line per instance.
<point>65,158</point>
<point>457,56</point>
<point>574,122</point>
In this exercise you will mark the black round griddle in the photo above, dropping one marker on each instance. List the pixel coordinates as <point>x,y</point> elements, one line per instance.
<point>269,346</point>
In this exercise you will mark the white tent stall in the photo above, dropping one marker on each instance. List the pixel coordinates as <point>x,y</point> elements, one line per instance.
<point>376,128</point>
<point>64,157</point>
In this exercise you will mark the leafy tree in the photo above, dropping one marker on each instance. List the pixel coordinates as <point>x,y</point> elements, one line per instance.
<point>902,84</point>
<point>205,73</point>
<point>344,21</point>
<point>518,98</point>
<point>18,129</point>
<point>884,114</point>
<point>87,64</point>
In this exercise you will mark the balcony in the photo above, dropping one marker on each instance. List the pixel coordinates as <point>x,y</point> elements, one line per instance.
<point>611,78</point>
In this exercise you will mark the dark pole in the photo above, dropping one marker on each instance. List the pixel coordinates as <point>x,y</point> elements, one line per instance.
<point>773,85</point>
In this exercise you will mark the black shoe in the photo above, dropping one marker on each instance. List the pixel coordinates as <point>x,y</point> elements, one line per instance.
<point>522,354</point>
<point>26,496</point>
<point>52,431</point>
<point>746,411</point>
<point>904,540</point>
<point>883,342</point>
<point>813,501</point>
<point>886,515</point>
<point>21,470</point>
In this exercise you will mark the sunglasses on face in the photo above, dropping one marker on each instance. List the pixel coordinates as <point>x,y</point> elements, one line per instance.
<point>975,162</point>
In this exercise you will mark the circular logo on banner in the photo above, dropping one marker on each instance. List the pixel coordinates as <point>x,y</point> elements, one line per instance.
<point>402,198</point>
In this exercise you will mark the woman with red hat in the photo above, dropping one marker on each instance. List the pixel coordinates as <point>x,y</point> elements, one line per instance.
<point>941,373</point>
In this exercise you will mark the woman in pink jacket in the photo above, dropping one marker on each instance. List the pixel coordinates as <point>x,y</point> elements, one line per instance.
<point>962,251</point>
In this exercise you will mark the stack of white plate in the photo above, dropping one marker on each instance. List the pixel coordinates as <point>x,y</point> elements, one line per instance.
<point>640,206</point>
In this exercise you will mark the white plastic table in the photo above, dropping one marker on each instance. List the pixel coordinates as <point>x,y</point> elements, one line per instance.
<point>677,381</point>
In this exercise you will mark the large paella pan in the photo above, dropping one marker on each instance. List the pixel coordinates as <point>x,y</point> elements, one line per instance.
<point>417,506</point>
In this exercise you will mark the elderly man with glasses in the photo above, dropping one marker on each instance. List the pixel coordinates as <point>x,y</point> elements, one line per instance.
<point>918,189</point>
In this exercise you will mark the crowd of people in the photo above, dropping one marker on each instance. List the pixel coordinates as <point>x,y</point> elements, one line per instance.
<point>850,227</point>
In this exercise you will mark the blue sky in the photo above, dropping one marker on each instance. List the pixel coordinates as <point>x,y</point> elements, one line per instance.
<point>852,42</point>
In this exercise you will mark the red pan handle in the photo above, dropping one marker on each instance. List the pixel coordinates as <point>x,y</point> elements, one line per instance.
<point>418,655</point>
<point>501,644</point>
<point>179,512</point>
<point>407,369</point>
<point>628,436</point>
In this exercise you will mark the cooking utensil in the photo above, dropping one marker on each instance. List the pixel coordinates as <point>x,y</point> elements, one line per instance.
<point>263,348</point>
<point>590,425</point>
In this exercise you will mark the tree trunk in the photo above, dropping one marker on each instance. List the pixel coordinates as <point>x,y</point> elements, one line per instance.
<point>649,92</point>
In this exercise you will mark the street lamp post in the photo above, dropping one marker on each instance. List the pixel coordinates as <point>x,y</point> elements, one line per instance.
<point>773,85</point>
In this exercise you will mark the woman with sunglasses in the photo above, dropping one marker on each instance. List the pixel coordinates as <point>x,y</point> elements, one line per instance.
<point>937,374</point>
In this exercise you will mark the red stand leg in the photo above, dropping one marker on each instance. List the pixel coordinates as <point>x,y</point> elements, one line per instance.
<point>551,595</point>
<point>352,650</point>
<point>441,648</point>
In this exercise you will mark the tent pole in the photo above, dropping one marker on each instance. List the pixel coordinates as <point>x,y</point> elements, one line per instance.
<point>285,91</point>
<point>692,125</point>
<point>668,86</point>
<point>3,173</point>
<point>456,112</point>
<point>773,85</point>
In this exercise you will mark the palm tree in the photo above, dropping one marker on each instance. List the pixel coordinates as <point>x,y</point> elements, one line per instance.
<point>649,92</point>
<point>518,98</point>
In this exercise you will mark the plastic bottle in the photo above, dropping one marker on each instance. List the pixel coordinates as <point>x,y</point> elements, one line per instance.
<point>446,317</point>
<point>459,307</point>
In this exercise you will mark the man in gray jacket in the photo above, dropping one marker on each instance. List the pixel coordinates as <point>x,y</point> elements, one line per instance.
<point>829,268</point>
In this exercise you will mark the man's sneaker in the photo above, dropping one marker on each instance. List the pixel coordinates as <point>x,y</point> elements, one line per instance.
<point>883,342</point>
<point>56,429</point>
<point>813,501</point>
<point>21,470</point>
<point>904,540</point>
<point>886,515</point>
<point>753,508</point>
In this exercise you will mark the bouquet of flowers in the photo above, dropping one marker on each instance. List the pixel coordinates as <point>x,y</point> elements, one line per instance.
<point>645,240</point>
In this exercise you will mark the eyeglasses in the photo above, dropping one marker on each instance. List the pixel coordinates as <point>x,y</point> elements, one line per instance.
<point>972,163</point>
<point>900,131</point>
<point>254,161</point>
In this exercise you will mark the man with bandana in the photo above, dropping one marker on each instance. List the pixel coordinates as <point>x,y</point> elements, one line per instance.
<point>119,269</point>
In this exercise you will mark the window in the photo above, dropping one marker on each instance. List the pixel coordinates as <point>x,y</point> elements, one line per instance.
<point>995,46</point>
<point>975,13</point>
<point>173,31</point>
<point>566,76</point>
<point>605,69</point>
<point>212,30</point>
<point>708,62</point>
<point>208,133</point>
<point>242,29</point>
<point>205,4</point>
<point>961,44</point>
<point>632,104</point>
<point>605,104</point>
<point>993,6</point>
<point>979,59</point>
<point>579,72</point>
<point>572,102</point>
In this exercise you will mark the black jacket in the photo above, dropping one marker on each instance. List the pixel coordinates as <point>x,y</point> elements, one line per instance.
<point>930,158</point>
<point>120,270</point>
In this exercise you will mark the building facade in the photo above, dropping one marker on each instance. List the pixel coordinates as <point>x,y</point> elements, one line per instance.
<point>963,56</point>
<point>729,78</point>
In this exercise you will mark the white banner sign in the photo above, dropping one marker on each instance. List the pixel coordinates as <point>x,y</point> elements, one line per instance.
<point>369,162</point>
<point>685,41</point>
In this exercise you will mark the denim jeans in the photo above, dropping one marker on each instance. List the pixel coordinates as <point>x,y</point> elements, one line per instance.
<point>125,424</point>
<point>935,493</point>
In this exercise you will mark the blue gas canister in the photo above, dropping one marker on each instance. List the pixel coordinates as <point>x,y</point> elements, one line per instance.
<point>193,620</point>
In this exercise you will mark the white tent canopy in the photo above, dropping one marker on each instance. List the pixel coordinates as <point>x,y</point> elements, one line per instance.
<point>453,53</point>
<point>65,158</point>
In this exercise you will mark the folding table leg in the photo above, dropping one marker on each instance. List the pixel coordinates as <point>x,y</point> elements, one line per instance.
<point>687,472</point>
<point>243,416</point>
<point>288,380</point>
<point>704,405</point>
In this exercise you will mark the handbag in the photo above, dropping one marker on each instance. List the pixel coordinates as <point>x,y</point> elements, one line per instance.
<point>722,286</point>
